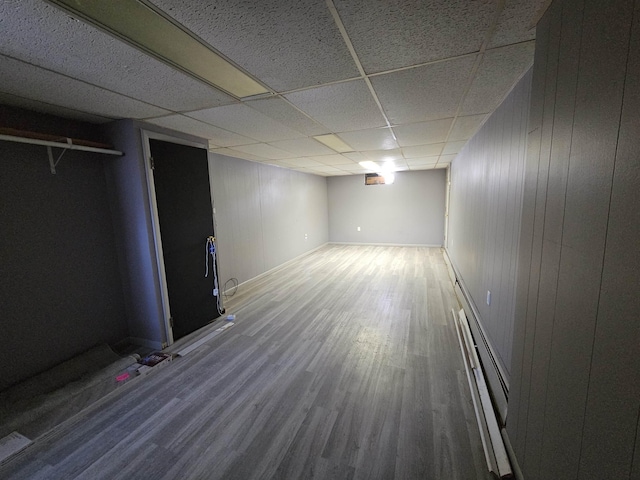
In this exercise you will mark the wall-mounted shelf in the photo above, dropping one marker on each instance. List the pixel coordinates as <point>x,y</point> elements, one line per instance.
<point>53,141</point>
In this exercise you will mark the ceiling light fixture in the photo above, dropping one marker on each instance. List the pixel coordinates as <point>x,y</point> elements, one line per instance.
<point>149,30</point>
<point>334,142</point>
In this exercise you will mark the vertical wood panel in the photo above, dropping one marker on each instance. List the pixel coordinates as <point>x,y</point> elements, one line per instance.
<point>235,190</point>
<point>540,265</point>
<point>613,398</point>
<point>524,324</point>
<point>598,102</point>
<point>485,212</point>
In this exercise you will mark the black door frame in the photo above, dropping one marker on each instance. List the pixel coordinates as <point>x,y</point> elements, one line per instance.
<point>157,239</point>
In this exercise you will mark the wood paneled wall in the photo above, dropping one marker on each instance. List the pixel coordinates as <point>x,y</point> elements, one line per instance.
<point>575,393</point>
<point>262,215</point>
<point>484,216</point>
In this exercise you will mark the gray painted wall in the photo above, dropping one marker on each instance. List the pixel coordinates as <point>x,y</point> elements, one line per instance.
<point>60,290</point>
<point>407,212</point>
<point>484,216</point>
<point>575,396</point>
<point>262,215</point>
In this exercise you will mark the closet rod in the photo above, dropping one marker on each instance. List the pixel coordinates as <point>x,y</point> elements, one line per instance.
<point>68,146</point>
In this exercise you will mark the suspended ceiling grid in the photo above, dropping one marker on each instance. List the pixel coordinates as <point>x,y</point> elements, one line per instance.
<point>404,81</point>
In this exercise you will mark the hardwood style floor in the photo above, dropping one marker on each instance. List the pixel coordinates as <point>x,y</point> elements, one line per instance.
<point>342,364</point>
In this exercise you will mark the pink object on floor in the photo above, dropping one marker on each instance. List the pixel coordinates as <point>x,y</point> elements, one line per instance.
<point>122,377</point>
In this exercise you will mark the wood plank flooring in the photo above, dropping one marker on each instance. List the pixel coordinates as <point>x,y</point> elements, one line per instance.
<point>342,364</point>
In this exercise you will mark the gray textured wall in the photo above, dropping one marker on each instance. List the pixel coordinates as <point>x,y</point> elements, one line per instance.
<point>484,216</point>
<point>408,212</point>
<point>60,290</point>
<point>262,215</point>
<point>575,395</point>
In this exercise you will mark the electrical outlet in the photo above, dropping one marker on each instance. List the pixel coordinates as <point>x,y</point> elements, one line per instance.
<point>488,297</point>
<point>306,236</point>
<point>358,228</point>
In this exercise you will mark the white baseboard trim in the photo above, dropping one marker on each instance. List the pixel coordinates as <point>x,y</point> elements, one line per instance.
<point>387,244</point>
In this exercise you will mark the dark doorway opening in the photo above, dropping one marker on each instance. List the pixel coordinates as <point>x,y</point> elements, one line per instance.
<point>185,214</point>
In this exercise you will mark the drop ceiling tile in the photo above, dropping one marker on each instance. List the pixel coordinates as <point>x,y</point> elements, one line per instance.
<point>25,80</point>
<point>412,162</point>
<point>328,170</point>
<point>311,171</point>
<point>230,152</point>
<point>373,139</point>
<point>453,147</point>
<point>191,126</point>
<point>413,32</point>
<point>342,107</point>
<point>355,156</point>
<point>517,22</point>
<point>423,93</point>
<point>465,127</point>
<point>446,159</point>
<point>355,168</point>
<point>423,133</point>
<point>43,35</point>
<point>302,162</point>
<point>383,155</point>
<point>27,103</point>
<point>265,151</point>
<point>501,68</point>
<point>334,159</point>
<point>303,147</point>
<point>423,150</point>
<point>288,45</point>
<point>245,121</point>
<point>283,112</point>
<point>422,167</point>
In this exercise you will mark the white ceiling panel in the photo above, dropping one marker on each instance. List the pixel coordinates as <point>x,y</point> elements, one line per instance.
<point>36,106</point>
<point>453,147</point>
<point>446,158</point>
<point>265,151</point>
<point>422,167</point>
<point>517,22</point>
<point>303,147</point>
<point>230,152</point>
<point>424,93</point>
<point>215,135</point>
<point>422,133</point>
<point>328,170</point>
<point>423,150</point>
<point>302,162</point>
<point>465,127</point>
<point>19,78</point>
<point>281,111</point>
<point>334,159</point>
<point>43,35</point>
<point>373,139</point>
<point>384,155</point>
<point>288,45</point>
<point>355,168</point>
<point>412,162</point>
<point>245,121</point>
<point>342,107</point>
<point>500,70</point>
<point>413,32</point>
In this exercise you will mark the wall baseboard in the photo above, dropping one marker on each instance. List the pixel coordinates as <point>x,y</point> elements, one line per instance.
<point>386,244</point>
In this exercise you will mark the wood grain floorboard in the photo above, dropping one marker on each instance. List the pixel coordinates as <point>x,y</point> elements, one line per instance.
<point>343,364</point>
